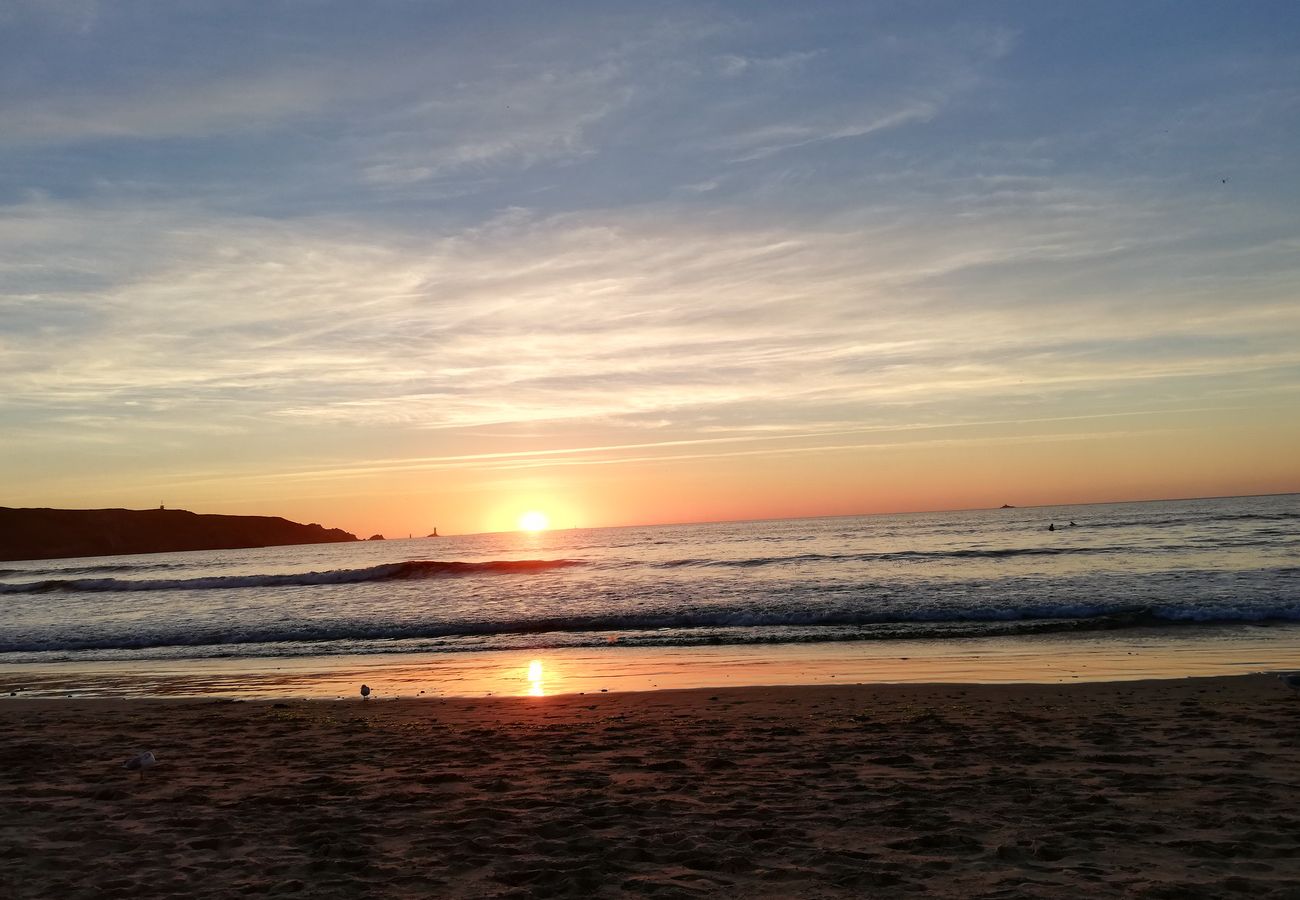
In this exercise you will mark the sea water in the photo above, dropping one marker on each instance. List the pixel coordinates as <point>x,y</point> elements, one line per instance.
<point>952,576</point>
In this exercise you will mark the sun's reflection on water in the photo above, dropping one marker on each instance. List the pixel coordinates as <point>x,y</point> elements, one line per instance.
<point>535,679</point>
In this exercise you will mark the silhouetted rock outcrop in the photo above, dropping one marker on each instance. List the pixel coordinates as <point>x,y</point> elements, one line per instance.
<point>53,533</point>
<point>375,537</point>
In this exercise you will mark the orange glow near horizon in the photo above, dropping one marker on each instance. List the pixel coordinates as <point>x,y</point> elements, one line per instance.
<point>1246,452</point>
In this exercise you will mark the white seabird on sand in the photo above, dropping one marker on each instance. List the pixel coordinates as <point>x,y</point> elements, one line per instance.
<point>365,692</point>
<point>1291,680</point>
<point>140,762</point>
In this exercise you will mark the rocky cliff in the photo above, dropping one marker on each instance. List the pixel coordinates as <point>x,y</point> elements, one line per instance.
<point>52,533</point>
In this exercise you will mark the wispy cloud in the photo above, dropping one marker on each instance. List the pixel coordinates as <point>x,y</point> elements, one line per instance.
<point>164,110</point>
<point>549,319</point>
<point>772,139</point>
<point>733,65</point>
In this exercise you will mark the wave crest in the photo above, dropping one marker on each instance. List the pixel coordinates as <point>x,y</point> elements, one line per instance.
<point>410,569</point>
<point>727,625</point>
<point>889,556</point>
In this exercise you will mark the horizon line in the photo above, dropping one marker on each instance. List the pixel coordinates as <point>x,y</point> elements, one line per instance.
<point>859,515</point>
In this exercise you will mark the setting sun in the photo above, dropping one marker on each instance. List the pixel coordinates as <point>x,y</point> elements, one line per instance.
<point>534,521</point>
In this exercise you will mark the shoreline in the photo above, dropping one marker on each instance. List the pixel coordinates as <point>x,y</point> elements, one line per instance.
<point>1137,654</point>
<point>1150,789</point>
<point>468,704</point>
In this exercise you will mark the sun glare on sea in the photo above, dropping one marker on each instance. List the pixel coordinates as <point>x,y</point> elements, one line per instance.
<point>535,679</point>
<point>534,521</point>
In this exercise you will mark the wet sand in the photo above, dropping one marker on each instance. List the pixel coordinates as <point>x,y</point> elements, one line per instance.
<point>1186,788</point>
<point>1133,655</point>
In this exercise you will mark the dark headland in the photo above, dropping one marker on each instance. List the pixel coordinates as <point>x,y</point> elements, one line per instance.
<point>54,533</point>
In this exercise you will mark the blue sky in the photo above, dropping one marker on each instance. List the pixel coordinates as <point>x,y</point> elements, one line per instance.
<point>310,256</point>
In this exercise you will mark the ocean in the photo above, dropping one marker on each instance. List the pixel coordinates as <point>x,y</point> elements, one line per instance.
<point>1106,569</point>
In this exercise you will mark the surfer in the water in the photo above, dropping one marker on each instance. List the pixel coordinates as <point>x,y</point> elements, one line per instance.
<point>1051,527</point>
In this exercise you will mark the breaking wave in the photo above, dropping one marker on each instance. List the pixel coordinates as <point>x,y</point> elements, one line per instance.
<point>410,569</point>
<point>887,556</point>
<point>727,625</point>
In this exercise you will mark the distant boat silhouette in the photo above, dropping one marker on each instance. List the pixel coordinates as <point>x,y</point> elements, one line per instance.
<point>1006,506</point>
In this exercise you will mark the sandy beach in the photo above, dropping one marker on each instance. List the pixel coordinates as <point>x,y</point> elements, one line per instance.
<point>1179,788</point>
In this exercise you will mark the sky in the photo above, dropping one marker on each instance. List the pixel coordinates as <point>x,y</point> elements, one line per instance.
<point>401,265</point>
